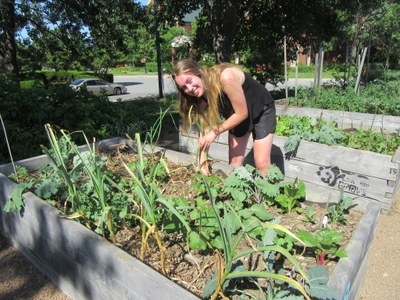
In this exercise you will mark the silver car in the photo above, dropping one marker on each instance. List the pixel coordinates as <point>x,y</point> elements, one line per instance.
<point>97,86</point>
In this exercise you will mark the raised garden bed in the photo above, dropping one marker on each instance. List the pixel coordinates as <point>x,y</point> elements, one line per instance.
<point>344,119</point>
<point>363,175</point>
<point>85,266</point>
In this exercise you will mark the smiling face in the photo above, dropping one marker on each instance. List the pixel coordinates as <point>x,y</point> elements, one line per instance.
<point>190,84</point>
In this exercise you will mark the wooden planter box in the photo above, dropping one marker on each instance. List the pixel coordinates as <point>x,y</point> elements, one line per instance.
<point>344,119</point>
<point>85,266</point>
<point>80,262</point>
<point>363,175</point>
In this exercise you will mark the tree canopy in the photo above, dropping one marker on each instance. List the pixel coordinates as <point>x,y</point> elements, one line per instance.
<point>94,34</point>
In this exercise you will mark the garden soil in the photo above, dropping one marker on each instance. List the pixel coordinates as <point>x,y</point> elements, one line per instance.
<point>19,279</point>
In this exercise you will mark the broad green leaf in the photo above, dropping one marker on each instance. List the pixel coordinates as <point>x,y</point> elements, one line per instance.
<point>317,284</point>
<point>195,242</point>
<point>210,287</point>
<point>261,212</point>
<point>233,221</point>
<point>47,189</point>
<point>217,242</point>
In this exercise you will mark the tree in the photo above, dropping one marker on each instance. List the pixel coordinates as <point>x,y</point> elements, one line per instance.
<point>384,33</point>
<point>80,29</point>
<point>223,23</point>
<point>8,49</point>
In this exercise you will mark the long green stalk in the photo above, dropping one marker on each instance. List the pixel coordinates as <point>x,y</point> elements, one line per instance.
<point>98,179</point>
<point>57,158</point>
<point>149,195</point>
<point>154,132</point>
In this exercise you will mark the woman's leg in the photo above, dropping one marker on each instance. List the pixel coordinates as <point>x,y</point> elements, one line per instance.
<point>262,152</point>
<point>237,149</point>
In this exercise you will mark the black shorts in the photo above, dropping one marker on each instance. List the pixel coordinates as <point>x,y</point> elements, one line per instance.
<point>265,123</point>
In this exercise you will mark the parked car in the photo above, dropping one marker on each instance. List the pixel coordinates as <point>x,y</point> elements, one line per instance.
<point>96,86</point>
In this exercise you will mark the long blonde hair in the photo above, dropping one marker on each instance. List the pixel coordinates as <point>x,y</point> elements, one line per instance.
<point>189,106</point>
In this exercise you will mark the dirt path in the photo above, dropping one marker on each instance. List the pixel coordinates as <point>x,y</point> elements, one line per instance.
<point>19,279</point>
<point>382,278</point>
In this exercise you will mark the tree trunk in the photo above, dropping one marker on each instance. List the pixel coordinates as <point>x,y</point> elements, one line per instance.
<point>223,23</point>
<point>8,50</point>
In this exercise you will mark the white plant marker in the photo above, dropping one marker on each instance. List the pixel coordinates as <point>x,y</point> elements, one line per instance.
<point>324,221</point>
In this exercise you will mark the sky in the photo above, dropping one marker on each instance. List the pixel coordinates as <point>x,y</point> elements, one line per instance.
<point>23,34</point>
<point>143,2</point>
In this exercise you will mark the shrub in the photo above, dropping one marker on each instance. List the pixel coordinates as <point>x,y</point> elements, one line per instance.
<point>25,111</point>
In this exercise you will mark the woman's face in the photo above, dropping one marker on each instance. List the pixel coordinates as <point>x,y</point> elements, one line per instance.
<point>190,84</point>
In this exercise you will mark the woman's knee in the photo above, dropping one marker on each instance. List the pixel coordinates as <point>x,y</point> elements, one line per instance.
<point>262,153</point>
<point>262,164</point>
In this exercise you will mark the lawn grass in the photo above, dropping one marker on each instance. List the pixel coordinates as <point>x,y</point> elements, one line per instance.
<point>325,74</point>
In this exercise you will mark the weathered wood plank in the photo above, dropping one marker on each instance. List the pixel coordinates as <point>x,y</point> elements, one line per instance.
<point>326,195</point>
<point>347,277</point>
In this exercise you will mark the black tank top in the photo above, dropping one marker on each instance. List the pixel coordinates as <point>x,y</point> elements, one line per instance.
<point>257,98</point>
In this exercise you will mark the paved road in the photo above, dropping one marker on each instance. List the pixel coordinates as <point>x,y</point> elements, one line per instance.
<point>144,86</point>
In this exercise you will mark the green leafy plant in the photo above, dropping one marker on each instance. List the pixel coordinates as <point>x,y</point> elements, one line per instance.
<point>325,242</point>
<point>79,180</point>
<point>318,276</point>
<point>298,128</point>
<point>338,212</point>
<point>93,166</point>
<point>202,217</point>
<point>381,97</point>
<point>59,155</point>
<point>227,267</point>
<point>17,201</point>
<point>317,284</point>
<point>292,193</point>
<point>312,129</point>
<point>370,140</point>
<point>310,215</point>
<point>246,184</point>
<point>154,132</point>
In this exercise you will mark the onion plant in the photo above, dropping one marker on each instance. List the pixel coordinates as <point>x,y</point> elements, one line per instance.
<point>56,155</point>
<point>151,202</point>
<point>200,160</point>
<point>154,132</point>
<point>93,167</point>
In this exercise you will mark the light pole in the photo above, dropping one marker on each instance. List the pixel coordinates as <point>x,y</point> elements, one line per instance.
<point>158,50</point>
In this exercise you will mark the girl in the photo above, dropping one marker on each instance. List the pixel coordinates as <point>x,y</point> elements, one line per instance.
<point>246,107</point>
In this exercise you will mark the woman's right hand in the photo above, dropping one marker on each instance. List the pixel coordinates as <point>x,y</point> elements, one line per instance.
<point>203,162</point>
<point>206,140</point>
